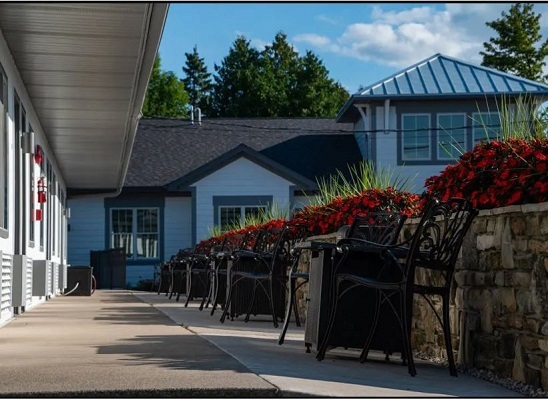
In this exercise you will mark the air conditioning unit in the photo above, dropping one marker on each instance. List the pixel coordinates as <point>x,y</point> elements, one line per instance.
<point>41,278</point>
<point>62,283</point>
<point>54,288</point>
<point>22,280</point>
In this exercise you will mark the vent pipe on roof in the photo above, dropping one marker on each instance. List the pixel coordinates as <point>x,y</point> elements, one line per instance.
<point>199,111</point>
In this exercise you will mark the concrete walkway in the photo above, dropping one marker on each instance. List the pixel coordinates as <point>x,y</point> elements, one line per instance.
<point>116,343</point>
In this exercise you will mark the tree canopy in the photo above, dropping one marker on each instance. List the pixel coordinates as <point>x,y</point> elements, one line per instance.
<point>275,82</point>
<point>518,48</point>
<point>166,95</point>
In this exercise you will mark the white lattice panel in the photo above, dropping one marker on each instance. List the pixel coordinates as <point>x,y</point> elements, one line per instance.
<point>55,278</point>
<point>49,277</point>
<point>5,290</point>
<point>28,288</point>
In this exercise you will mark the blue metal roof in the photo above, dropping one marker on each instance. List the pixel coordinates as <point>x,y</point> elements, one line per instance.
<point>442,75</point>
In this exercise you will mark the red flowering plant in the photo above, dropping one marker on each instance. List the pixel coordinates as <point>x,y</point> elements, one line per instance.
<point>330,217</point>
<point>496,174</point>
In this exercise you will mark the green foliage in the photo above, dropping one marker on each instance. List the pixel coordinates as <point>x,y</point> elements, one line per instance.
<point>518,48</point>
<point>274,83</point>
<point>233,89</point>
<point>197,81</point>
<point>361,177</point>
<point>166,95</point>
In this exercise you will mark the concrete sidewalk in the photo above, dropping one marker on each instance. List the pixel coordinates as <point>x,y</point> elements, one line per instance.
<point>116,344</point>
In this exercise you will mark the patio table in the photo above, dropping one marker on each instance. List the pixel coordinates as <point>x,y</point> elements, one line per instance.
<point>354,315</point>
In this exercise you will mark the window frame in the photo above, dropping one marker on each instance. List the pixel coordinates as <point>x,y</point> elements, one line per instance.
<point>134,231</point>
<point>236,206</point>
<point>5,154</point>
<point>427,132</point>
<point>439,131</point>
<point>476,125</point>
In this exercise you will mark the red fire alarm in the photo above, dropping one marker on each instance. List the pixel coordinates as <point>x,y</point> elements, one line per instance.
<point>38,154</point>
<point>38,216</point>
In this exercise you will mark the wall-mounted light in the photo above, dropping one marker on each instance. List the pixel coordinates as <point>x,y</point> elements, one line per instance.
<point>27,142</point>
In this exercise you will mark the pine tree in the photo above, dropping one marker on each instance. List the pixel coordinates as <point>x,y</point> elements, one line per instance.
<point>197,81</point>
<point>519,48</point>
<point>166,96</point>
<point>235,83</point>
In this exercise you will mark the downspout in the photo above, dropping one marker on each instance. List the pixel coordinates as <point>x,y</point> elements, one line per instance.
<point>386,116</point>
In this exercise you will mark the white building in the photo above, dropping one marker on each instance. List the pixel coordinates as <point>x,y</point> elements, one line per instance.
<point>72,82</point>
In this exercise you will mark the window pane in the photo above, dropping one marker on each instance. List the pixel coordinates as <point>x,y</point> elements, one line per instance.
<point>416,137</point>
<point>4,151</point>
<point>486,126</point>
<point>122,230</point>
<point>228,216</point>
<point>451,136</point>
<point>254,211</point>
<point>147,233</point>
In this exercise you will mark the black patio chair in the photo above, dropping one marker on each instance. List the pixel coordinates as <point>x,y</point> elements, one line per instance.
<point>165,278</point>
<point>219,271</point>
<point>379,227</point>
<point>179,267</point>
<point>198,272</point>
<point>264,267</point>
<point>435,245</point>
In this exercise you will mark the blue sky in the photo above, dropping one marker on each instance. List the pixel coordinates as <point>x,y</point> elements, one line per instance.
<point>359,43</point>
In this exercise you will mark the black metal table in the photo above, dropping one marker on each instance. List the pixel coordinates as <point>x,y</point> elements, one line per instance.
<point>354,316</point>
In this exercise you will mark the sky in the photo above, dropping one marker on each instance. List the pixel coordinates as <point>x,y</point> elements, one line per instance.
<point>359,43</point>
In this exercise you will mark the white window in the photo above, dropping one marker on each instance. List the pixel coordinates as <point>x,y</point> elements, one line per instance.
<point>486,126</point>
<point>416,137</point>
<point>4,153</point>
<point>451,136</point>
<point>229,216</point>
<point>136,230</point>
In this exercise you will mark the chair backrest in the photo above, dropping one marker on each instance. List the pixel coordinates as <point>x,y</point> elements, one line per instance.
<point>437,241</point>
<point>289,236</point>
<point>378,227</point>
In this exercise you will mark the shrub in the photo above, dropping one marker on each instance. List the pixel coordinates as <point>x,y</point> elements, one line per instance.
<point>496,174</point>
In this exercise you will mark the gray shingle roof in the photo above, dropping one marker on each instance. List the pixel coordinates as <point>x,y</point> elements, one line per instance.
<point>166,150</point>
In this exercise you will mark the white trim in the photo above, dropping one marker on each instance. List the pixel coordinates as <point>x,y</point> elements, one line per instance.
<point>428,133</point>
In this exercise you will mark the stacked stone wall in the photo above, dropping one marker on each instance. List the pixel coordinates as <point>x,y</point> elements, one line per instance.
<point>499,301</point>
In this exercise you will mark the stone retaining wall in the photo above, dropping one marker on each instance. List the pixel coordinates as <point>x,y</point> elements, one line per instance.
<point>499,302</point>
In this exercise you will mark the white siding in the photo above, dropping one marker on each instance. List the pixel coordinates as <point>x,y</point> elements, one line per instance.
<point>387,154</point>
<point>239,178</point>
<point>87,229</point>
<point>177,225</point>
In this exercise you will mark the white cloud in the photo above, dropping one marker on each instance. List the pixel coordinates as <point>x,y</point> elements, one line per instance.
<point>401,38</point>
<point>328,19</point>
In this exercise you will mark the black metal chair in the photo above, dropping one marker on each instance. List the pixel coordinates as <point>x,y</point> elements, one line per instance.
<point>179,267</point>
<point>198,272</point>
<point>434,245</point>
<point>265,268</point>
<point>220,271</point>
<point>165,278</point>
<point>379,227</point>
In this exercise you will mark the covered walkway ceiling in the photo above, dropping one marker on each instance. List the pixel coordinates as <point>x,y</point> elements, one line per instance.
<point>86,68</point>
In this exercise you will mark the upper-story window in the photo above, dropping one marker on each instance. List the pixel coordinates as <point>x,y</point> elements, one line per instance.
<point>486,126</point>
<point>416,137</point>
<point>136,230</point>
<point>451,136</point>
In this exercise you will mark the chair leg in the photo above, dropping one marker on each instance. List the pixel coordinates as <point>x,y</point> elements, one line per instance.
<point>295,304</point>
<point>189,294</point>
<point>271,298</point>
<point>372,330</point>
<point>447,336</point>
<point>215,288</point>
<point>405,303</point>
<point>252,302</point>
<point>228,299</point>
<point>205,294</point>
<point>289,306</point>
<point>323,347</point>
